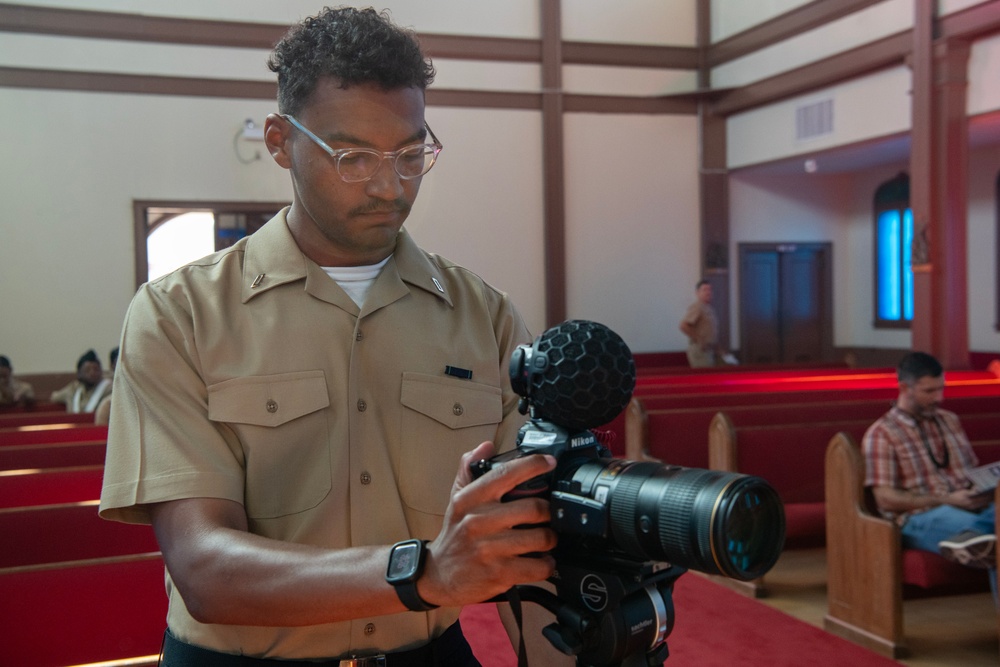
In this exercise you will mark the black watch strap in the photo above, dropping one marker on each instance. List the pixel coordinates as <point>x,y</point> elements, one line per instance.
<point>411,598</point>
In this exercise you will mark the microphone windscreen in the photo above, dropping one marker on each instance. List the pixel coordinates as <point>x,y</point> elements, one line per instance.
<point>588,379</point>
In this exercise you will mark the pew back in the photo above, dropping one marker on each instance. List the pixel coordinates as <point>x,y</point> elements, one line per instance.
<point>25,488</point>
<point>58,455</point>
<point>67,532</point>
<point>51,433</point>
<point>82,612</point>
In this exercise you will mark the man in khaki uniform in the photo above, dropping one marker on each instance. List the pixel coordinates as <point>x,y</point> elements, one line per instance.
<point>289,408</point>
<point>701,326</point>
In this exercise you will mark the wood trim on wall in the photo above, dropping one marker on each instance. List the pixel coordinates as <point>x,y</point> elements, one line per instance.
<point>147,28</point>
<point>553,163</point>
<point>972,23</point>
<point>887,52</point>
<point>780,28</point>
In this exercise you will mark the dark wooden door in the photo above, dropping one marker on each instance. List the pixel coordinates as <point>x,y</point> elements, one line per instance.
<point>786,303</point>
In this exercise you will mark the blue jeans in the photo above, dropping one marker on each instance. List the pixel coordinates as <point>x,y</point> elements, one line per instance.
<point>925,529</point>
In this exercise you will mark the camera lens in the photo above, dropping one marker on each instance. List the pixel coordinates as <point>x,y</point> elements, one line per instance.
<point>706,520</point>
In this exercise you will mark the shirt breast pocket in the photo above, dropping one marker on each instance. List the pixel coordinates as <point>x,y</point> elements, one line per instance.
<point>442,419</point>
<point>281,423</point>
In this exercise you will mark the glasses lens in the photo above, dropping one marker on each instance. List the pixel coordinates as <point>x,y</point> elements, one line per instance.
<point>415,160</point>
<point>358,165</point>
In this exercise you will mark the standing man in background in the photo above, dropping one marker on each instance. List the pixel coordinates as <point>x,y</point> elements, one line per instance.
<point>701,325</point>
<point>296,414</point>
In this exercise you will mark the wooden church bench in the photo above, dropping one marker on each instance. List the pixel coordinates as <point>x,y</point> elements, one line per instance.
<point>869,572</point>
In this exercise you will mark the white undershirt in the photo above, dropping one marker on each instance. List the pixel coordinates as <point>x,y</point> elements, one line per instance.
<point>355,280</point>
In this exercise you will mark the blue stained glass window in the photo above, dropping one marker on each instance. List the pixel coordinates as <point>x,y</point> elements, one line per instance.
<point>893,249</point>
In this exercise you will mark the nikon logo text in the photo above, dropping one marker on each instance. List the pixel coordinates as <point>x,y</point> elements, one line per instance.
<point>581,441</point>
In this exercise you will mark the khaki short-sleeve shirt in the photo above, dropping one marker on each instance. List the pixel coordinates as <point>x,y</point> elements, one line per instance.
<point>250,375</point>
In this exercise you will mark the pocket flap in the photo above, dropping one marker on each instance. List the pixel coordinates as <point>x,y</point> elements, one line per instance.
<point>268,400</point>
<point>452,402</point>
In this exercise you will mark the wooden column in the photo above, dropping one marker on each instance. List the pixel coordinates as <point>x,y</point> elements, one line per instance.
<point>939,192</point>
<point>713,187</point>
<point>553,164</point>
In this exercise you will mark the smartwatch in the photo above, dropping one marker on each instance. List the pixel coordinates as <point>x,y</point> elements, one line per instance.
<point>406,564</point>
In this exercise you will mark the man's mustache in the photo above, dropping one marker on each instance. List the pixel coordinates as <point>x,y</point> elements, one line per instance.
<point>397,206</point>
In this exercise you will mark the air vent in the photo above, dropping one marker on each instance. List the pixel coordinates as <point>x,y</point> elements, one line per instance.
<point>814,120</point>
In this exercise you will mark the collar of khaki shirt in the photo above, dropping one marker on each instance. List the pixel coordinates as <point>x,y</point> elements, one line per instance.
<point>273,258</point>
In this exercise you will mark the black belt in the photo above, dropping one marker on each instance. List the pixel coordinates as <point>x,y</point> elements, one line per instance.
<point>450,648</point>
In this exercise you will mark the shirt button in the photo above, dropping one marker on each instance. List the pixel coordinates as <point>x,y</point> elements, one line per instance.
<point>272,405</point>
<point>366,478</point>
<point>370,629</point>
<point>358,336</point>
<point>362,406</point>
<point>457,409</point>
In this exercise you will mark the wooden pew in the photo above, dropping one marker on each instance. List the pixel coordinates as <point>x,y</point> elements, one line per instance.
<point>83,611</point>
<point>722,400</point>
<point>677,435</point>
<point>25,488</point>
<point>37,406</point>
<point>680,436</point>
<point>869,573</point>
<point>792,458</point>
<point>16,419</point>
<point>52,433</point>
<point>57,455</point>
<point>67,532</point>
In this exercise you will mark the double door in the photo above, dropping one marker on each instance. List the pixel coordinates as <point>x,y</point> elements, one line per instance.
<point>786,303</point>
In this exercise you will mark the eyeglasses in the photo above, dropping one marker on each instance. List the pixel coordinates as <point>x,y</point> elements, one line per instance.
<point>361,164</point>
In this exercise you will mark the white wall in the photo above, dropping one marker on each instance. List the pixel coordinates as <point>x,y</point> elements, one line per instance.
<point>632,240</point>
<point>873,106</point>
<point>730,17</point>
<point>868,25</point>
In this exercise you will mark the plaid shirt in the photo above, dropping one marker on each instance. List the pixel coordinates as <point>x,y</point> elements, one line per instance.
<point>924,456</point>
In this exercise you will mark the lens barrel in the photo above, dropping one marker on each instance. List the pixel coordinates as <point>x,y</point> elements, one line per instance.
<point>707,520</point>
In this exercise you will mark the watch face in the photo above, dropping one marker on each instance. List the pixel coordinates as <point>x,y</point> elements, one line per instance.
<point>403,562</point>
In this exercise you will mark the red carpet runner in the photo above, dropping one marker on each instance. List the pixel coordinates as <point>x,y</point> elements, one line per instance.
<point>715,627</point>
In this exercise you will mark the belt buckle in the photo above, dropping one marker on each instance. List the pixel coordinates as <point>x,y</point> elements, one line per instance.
<point>367,661</point>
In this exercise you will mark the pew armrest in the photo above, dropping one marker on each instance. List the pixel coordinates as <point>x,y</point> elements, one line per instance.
<point>864,557</point>
<point>722,444</point>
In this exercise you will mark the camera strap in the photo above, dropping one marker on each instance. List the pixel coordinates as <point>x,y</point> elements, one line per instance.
<point>514,599</point>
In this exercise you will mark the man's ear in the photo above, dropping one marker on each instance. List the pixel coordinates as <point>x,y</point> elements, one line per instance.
<point>277,132</point>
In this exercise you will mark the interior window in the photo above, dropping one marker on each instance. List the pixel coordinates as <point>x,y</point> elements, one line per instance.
<point>893,247</point>
<point>171,234</point>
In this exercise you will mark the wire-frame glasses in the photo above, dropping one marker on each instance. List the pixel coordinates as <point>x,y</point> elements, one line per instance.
<point>361,164</point>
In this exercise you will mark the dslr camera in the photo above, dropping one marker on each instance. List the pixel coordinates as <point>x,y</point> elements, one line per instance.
<point>627,530</point>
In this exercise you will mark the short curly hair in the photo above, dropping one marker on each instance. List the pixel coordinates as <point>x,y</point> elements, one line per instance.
<point>355,46</point>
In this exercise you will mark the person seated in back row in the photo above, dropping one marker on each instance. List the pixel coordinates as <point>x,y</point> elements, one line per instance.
<point>84,393</point>
<point>12,390</point>
<point>916,459</point>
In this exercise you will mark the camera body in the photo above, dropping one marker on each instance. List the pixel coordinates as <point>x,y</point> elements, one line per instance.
<point>627,530</point>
